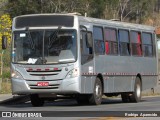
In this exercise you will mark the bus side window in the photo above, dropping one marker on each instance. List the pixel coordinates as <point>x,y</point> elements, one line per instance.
<point>124,42</point>
<point>82,44</point>
<point>86,47</point>
<point>136,43</point>
<point>147,44</point>
<point>89,42</point>
<point>98,40</point>
<point>111,42</point>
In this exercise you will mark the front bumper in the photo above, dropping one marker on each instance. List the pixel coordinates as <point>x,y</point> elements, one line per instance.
<point>65,86</point>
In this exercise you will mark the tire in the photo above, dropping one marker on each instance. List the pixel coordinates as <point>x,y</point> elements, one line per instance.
<point>36,101</point>
<point>137,94</point>
<point>82,99</point>
<point>125,97</point>
<point>96,97</point>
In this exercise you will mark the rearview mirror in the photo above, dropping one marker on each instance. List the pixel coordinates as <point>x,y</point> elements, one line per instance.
<point>4,42</point>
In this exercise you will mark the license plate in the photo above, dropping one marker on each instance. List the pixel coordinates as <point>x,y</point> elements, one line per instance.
<point>42,83</point>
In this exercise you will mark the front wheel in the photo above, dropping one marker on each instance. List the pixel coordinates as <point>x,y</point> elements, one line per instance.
<point>36,101</point>
<point>125,97</point>
<point>96,97</point>
<point>82,99</point>
<point>136,95</point>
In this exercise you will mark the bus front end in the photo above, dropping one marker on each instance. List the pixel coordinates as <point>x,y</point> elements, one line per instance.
<point>44,55</point>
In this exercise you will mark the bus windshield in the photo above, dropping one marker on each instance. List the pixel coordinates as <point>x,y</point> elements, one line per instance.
<point>44,46</point>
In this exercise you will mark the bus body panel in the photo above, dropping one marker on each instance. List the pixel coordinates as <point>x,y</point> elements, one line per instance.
<point>118,72</point>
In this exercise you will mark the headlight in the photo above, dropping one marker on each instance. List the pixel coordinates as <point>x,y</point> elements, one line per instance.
<point>73,73</point>
<point>15,74</point>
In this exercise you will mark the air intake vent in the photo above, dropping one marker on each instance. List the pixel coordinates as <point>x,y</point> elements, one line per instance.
<point>55,86</point>
<point>45,72</point>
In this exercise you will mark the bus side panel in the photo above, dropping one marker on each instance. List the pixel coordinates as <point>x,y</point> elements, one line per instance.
<point>118,84</point>
<point>123,84</point>
<point>87,78</point>
<point>121,72</point>
<point>149,82</point>
<point>87,84</point>
<point>109,85</point>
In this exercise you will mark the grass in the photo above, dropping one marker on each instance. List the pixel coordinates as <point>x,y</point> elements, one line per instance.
<point>5,87</point>
<point>150,94</point>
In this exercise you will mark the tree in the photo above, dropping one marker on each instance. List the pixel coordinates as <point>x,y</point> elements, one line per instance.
<point>93,8</point>
<point>97,8</point>
<point>125,10</point>
<point>21,7</point>
<point>5,27</point>
<point>129,10</point>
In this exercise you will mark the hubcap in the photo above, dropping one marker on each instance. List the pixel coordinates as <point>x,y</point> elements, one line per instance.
<point>138,91</point>
<point>98,91</point>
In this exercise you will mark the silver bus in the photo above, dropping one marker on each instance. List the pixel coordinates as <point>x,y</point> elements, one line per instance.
<point>81,57</point>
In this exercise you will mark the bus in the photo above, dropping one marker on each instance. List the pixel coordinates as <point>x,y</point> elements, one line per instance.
<point>81,57</point>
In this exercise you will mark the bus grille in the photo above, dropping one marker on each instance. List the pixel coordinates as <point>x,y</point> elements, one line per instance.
<point>55,86</point>
<point>40,72</point>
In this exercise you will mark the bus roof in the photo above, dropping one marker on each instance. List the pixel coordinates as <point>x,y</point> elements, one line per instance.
<point>112,23</point>
<point>98,21</point>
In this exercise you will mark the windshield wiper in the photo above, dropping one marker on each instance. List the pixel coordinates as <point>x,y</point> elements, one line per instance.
<point>53,37</point>
<point>31,40</point>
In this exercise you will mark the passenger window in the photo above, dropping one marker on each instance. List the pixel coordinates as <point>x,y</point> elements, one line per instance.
<point>147,44</point>
<point>111,43</point>
<point>98,40</point>
<point>136,43</point>
<point>123,36</point>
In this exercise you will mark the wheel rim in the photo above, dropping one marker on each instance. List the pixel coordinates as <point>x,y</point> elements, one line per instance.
<point>138,91</point>
<point>98,91</point>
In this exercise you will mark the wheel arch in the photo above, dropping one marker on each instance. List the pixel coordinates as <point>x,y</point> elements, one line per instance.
<point>140,77</point>
<point>100,76</point>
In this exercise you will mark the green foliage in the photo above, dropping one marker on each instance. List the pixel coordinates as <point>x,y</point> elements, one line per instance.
<point>5,86</point>
<point>5,27</point>
<point>98,6</point>
<point>6,57</point>
<point>126,10</point>
<point>21,7</point>
<point>5,74</point>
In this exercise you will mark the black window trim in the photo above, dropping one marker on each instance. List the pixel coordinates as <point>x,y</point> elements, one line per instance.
<point>97,40</point>
<point>138,31</point>
<point>152,43</point>
<point>113,28</point>
<point>124,42</point>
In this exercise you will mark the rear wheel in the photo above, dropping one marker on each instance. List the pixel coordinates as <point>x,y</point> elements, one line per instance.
<point>136,95</point>
<point>96,97</point>
<point>125,97</point>
<point>36,101</point>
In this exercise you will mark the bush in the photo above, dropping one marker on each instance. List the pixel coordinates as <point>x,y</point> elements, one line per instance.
<point>6,74</point>
<point>6,63</point>
<point>5,86</point>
